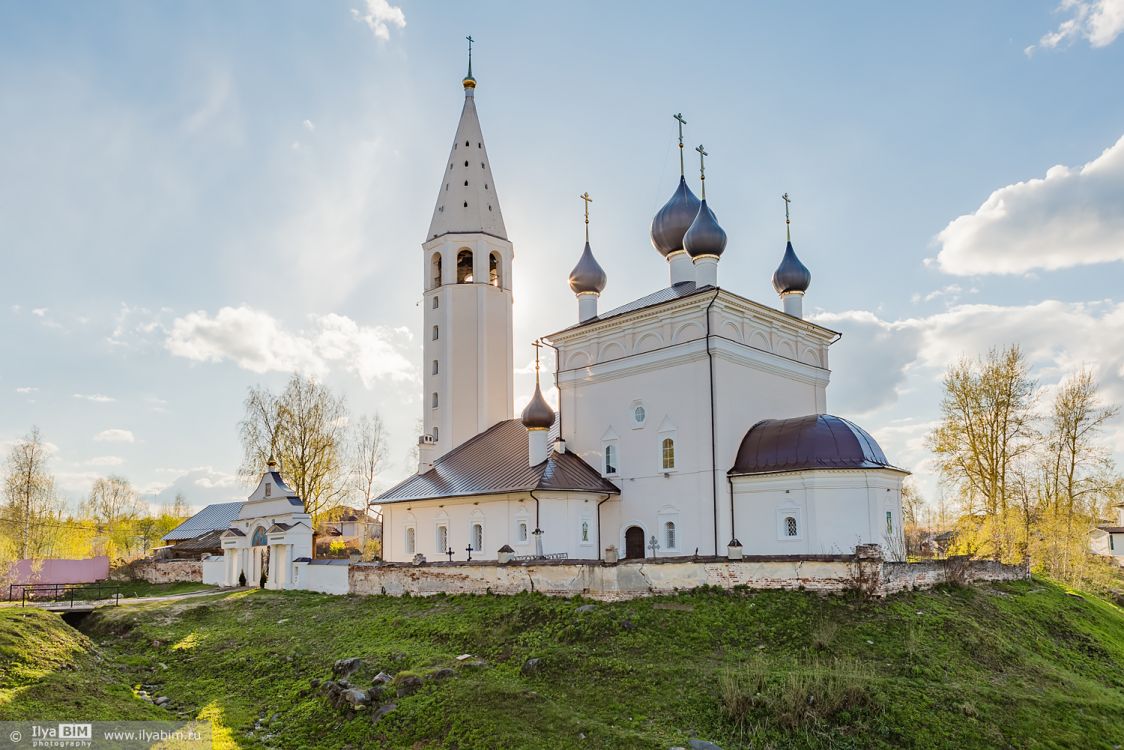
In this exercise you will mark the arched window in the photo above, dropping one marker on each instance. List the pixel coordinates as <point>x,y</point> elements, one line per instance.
<point>790,528</point>
<point>522,535</point>
<point>494,268</point>
<point>464,266</point>
<point>435,434</point>
<point>610,459</point>
<point>434,400</point>
<point>411,540</point>
<point>667,454</point>
<point>442,537</point>
<point>669,535</point>
<point>436,367</point>
<point>435,271</point>
<point>435,333</point>
<point>585,532</point>
<point>478,536</point>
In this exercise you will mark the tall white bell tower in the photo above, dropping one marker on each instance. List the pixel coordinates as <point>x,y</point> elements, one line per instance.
<point>467,300</point>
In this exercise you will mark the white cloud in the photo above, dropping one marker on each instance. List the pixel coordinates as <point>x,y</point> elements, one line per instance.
<point>39,312</point>
<point>1071,217</point>
<point>27,389</point>
<point>255,341</point>
<point>380,16</point>
<point>1097,21</point>
<point>309,125</point>
<point>95,397</point>
<point>115,436</point>
<point>201,485</point>
<point>105,461</point>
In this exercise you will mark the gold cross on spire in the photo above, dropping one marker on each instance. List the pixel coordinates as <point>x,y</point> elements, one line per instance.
<point>585,197</point>
<point>537,343</point>
<point>679,116</point>
<point>787,222</point>
<point>702,168</point>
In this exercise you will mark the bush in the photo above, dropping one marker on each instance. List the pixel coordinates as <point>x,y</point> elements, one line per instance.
<point>805,696</point>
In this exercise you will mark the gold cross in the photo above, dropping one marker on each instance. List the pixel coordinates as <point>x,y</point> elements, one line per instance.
<point>470,41</point>
<point>585,197</point>
<point>682,122</point>
<point>537,343</point>
<point>702,168</point>
<point>787,223</point>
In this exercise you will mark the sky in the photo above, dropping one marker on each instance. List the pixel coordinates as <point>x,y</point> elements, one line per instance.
<point>202,197</point>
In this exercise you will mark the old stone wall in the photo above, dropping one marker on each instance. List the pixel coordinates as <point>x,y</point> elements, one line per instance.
<point>163,571</point>
<point>631,579</point>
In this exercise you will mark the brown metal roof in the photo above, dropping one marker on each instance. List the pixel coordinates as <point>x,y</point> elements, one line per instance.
<point>1112,529</point>
<point>208,540</point>
<point>495,461</point>
<point>815,441</point>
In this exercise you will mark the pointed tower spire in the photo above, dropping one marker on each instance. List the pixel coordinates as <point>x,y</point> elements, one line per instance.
<point>466,199</point>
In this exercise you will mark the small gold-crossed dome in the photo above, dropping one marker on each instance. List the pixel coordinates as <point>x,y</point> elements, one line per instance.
<point>538,415</point>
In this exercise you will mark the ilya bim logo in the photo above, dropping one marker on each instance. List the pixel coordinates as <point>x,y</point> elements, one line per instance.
<point>107,735</point>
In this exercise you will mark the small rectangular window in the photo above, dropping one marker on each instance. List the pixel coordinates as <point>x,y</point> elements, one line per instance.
<point>610,459</point>
<point>434,399</point>
<point>522,531</point>
<point>410,541</point>
<point>436,302</point>
<point>442,538</point>
<point>435,367</point>
<point>269,489</point>
<point>436,333</point>
<point>889,522</point>
<point>667,454</point>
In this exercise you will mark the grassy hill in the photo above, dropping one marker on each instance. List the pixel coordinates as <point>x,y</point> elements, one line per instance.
<point>1021,665</point>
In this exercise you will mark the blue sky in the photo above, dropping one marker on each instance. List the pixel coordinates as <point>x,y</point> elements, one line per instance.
<point>205,196</point>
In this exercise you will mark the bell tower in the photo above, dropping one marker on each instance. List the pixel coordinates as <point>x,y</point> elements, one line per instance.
<point>467,336</point>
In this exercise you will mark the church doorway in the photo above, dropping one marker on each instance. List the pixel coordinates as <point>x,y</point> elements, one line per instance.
<point>634,543</point>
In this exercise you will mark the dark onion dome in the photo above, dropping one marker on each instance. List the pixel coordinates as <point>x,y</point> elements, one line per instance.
<point>705,237</point>
<point>587,276</point>
<point>791,275</point>
<point>816,441</point>
<point>538,415</point>
<point>674,219</point>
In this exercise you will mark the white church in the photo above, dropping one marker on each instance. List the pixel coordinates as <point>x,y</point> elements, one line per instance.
<point>691,421</point>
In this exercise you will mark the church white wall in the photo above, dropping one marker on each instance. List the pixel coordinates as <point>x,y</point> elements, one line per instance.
<point>474,381</point>
<point>214,570</point>
<point>561,516</point>
<point>765,366</point>
<point>833,510</point>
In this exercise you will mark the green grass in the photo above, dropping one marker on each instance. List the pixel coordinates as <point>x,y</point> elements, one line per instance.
<point>1022,665</point>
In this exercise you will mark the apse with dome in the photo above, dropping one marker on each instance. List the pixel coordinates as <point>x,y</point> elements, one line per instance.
<point>691,422</point>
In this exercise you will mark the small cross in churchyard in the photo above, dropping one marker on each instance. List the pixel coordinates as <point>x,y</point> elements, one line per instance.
<point>654,545</point>
<point>468,549</point>
<point>449,552</point>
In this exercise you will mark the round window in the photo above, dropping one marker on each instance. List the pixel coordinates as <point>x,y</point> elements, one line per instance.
<point>639,414</point>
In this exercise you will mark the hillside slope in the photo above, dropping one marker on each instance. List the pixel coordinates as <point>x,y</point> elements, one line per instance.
<point>1012,665</point>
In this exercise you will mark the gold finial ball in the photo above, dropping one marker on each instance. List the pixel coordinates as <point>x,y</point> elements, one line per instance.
<point>469,83</point>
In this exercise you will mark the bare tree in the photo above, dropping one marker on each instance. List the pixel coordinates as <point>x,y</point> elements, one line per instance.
<point>369,449</point>
<point>986,426</point>
<point>29,497</point>
<point>305,430</point>
<point>112,500</point>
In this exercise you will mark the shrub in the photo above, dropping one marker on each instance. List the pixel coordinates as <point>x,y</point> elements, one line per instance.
<point>804,696</point>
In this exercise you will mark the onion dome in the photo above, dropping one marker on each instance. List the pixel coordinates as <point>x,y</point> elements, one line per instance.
<point>538,415</point>
<point>815,441</point>
<point>705,237</point>
<point>587,276</point>
<point>674,219</point>
<point>791,275</point>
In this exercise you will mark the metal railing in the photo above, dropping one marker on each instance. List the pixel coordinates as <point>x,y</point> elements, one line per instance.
<point>59,593</point>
